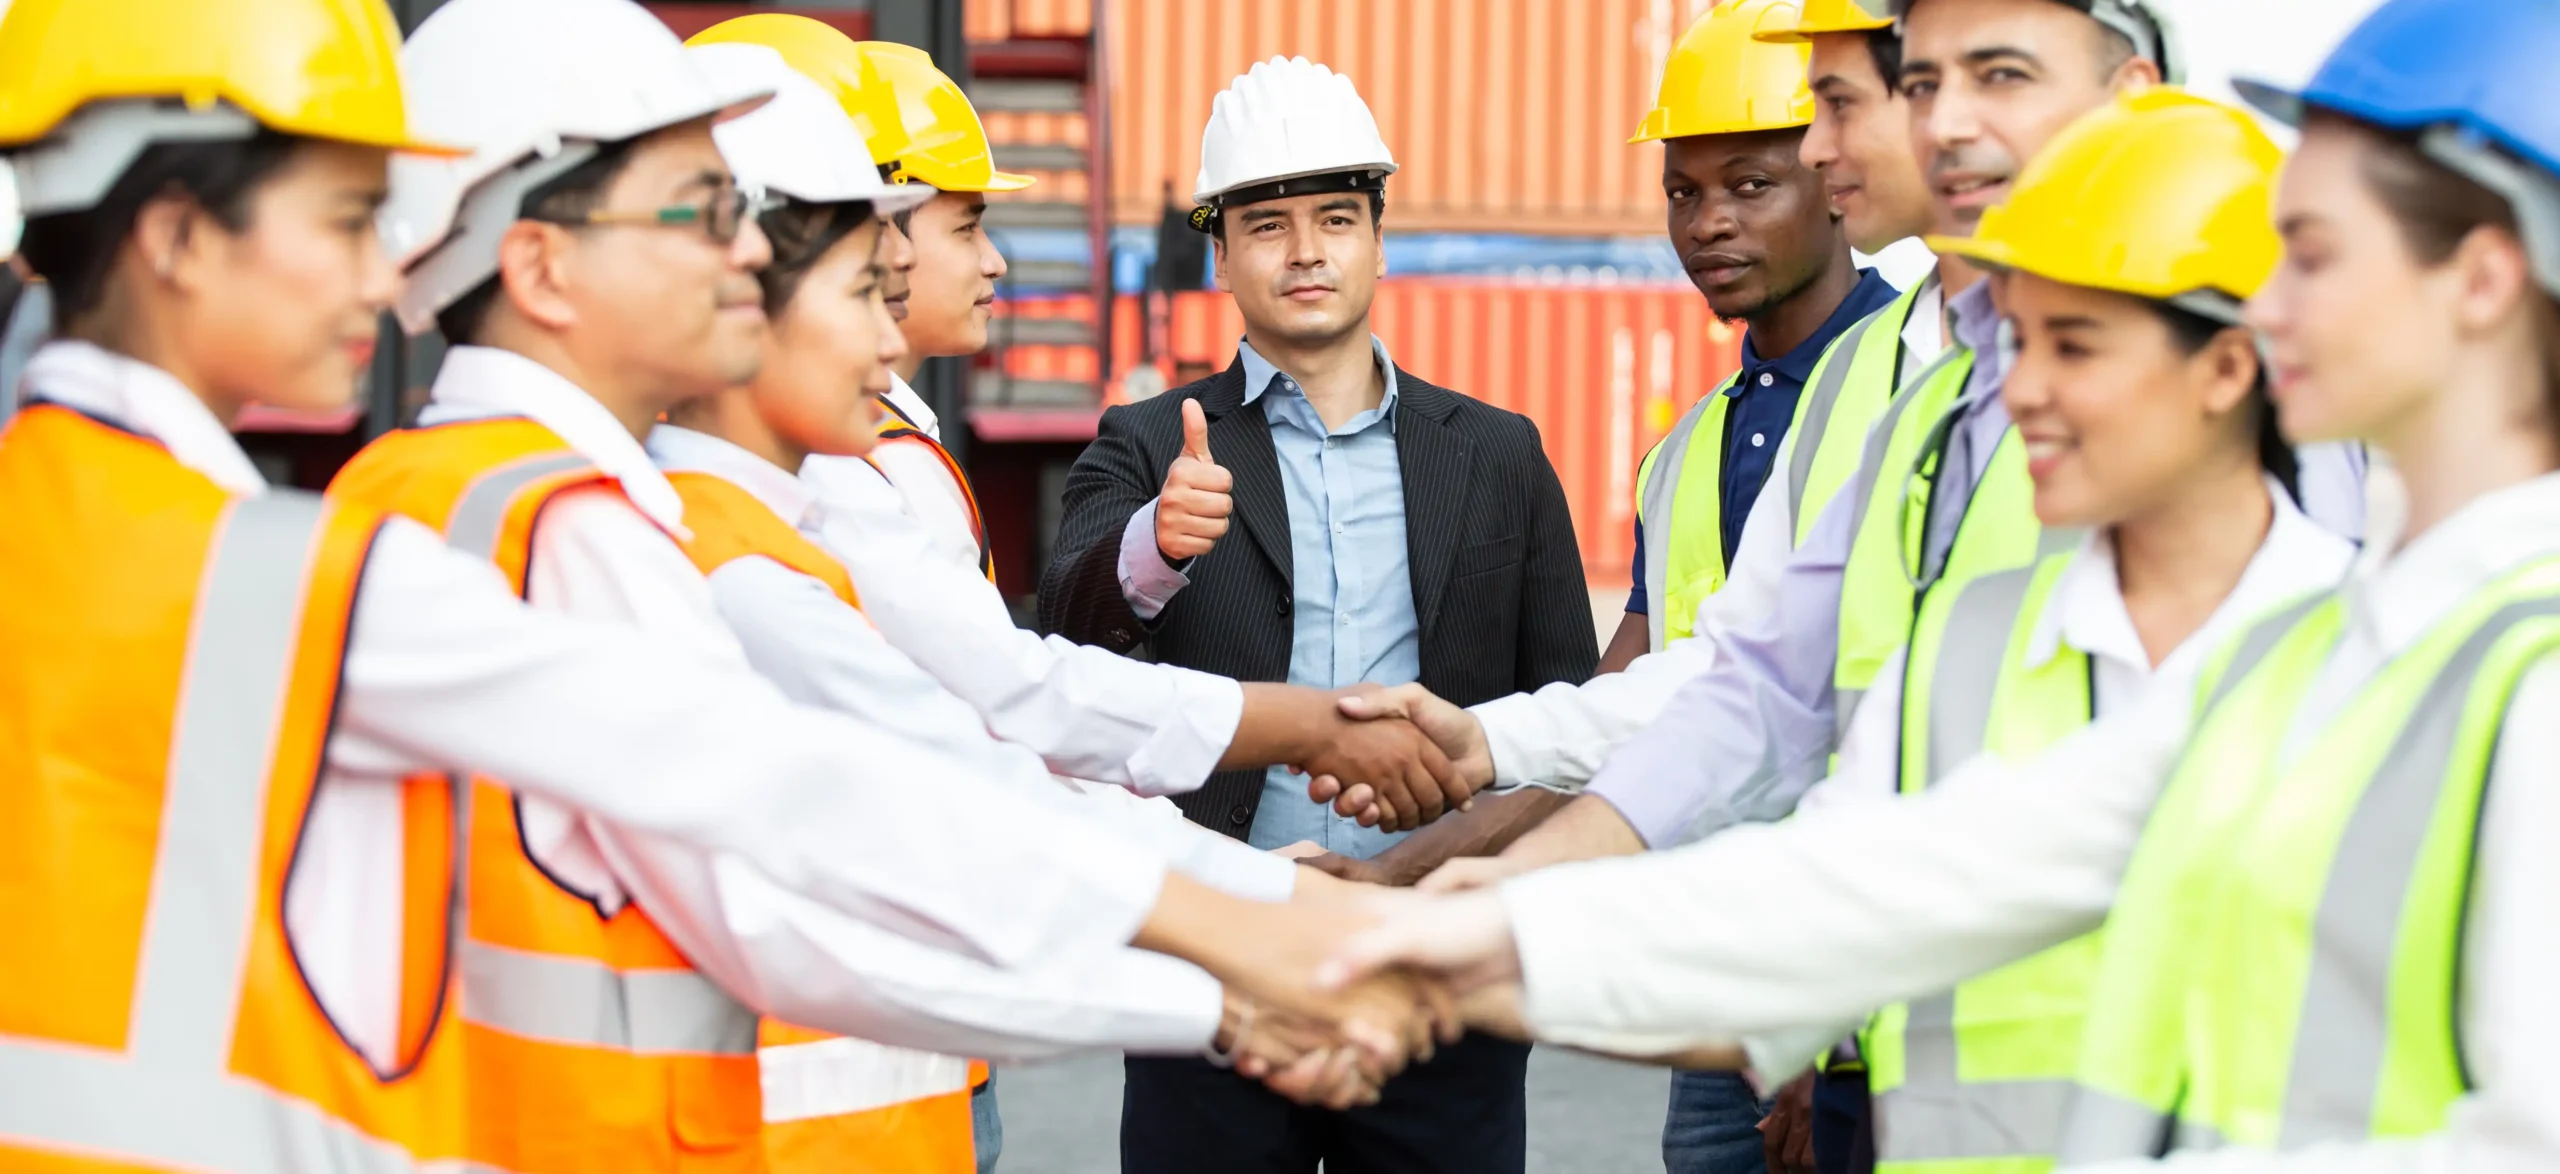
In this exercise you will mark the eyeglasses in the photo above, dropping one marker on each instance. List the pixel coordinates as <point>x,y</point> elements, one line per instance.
<point>720,214</point>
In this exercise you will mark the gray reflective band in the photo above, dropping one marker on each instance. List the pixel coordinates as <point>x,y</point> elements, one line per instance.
<point>1861,491</point>
<point>576,1001</point>
<point>169,1097</point>
<point>2105,1127</point>
<point>1970,651</point>
<point>1817,414</point>
<point>2343,1036</point>
<point>1659,491</point>
<point>481,516</point>
<point>2257,644</point>
<point>1844,711</point>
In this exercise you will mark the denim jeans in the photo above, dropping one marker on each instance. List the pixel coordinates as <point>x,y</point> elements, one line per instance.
<point>1714,1125</point>
<point>986,1127</point>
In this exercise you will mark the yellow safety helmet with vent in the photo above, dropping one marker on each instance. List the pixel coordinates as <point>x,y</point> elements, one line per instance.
<point>89,83</point>
<point>1719,80</point>
<point>923,127</point>
<point>2159,194</point>
<point>1830,16</point>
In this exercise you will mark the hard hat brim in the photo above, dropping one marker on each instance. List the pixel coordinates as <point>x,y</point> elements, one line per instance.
<point>2275,101</point>
<point>2002,256</point>
<point>1801,33</point>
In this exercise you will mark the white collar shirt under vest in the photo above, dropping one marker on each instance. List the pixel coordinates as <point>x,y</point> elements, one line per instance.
<point>1861,904</point>
<point>907,475</point>
<point>447,671</point>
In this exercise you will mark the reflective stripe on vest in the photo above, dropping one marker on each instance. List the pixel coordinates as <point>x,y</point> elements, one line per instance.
<point>575,1001</point>
<point>1854,385</point>
<point>1978,1079</point>
<point>830,1104</point>
<point>895,427</point>
<point>2287,942</point>
<point>1680,503</point>
<point>217,1065</point>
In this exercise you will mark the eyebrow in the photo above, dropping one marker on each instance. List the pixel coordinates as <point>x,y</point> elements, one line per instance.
<point>1339,204</point>
<point>2296,222</point>
<point>1260,215</point>
<point>708,177</point>
<point>2073,322</point>
<point>1990,53</point>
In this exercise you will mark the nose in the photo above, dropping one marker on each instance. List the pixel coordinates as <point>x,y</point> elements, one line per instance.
<point>1948,119</point>
<point>896,251</point>
<point>1820,148</point>
<point>1712,222</point>
<point>1305,251</point>
<point>751,249</point>
<point>377,282</point>
<point>991,260</point>
<point>893,341</point>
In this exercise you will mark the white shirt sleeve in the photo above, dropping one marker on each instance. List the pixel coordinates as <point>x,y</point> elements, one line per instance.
<point>1220,862</point>
<point>1881,901</point>
<point>1156,729</point>
<point>2510,1122</point>
<point>1560,735</point>
<point>447,671</point>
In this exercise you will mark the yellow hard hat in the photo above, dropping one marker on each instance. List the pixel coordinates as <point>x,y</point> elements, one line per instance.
<point>2159,194</point>
<point>1719,80</point>
<point>1830,16</point>
<point>817,50</point>
<point>326,69</point>
<point>922,126</point>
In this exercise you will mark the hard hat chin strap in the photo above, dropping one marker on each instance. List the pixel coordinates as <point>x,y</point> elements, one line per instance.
<point>2531,191</point>
<point>1205,218</point>
<point>74,167</point>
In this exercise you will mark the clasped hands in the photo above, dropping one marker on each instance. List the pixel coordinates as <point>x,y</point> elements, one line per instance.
<point>1400,759</point>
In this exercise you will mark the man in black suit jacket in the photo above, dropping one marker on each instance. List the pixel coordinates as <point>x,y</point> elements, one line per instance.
<point>1391,531</point>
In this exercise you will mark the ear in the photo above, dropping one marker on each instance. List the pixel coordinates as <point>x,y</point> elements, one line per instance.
<point>2134,73</point>
<point>1382,255</point>
<point>2497,279</point>
<point>535,270</point>
<point>2231,369</point>
<point>1218,259</point>
<point>168,242</point>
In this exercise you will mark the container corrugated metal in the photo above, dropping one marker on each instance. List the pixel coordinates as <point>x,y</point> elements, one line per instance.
<point>1603,372</point>
<point>1505,115</point>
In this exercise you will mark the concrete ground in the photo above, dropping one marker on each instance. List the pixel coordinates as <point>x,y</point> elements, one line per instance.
<point>1586,1115</point>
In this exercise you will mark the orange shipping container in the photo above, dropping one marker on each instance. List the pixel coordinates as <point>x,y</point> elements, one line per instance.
<point>1505,115</point>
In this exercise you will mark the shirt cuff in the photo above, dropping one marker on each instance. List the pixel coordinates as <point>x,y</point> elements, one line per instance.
<point>1232,868</point>
<point>1781,1056</point>
<point>1521,737</point>
<point>1658,812</point>
<point>1196,732</point>
<point>1145,580</point>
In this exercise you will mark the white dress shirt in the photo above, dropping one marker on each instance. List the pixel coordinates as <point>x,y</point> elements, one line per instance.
<point>2086,613</point>
<point>823,653</point>
<point>1866,903</point>
<point>923,485</point>
<point>1559,736</point>
<point>447,671</point>
<point>1089,713</point>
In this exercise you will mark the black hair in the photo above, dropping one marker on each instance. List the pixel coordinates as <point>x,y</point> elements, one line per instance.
<point>571,193</point>
<point>2192,332</point>
<point>2435,207</point>
<point>1377,216</point>
<point>1884,46</point>
<point>802,234</point>
<point>75,252</point>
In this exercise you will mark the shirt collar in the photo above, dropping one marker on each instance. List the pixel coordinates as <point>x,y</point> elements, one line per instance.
<point>683,450</point>
<point>479,382</point>
<point>2087,610</point>
<point>2399,592</point>
<point>133,394</point>
<point>1872,293</point>
<point>1258,373</point>
<point>914,407</point>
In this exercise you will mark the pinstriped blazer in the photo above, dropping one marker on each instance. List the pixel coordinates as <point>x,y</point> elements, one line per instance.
<point>1498,589</point>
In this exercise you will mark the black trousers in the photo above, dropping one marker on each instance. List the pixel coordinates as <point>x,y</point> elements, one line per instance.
<point>1465,1112</point>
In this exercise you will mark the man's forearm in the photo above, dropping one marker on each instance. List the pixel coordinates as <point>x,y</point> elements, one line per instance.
<point>1485,830</point>
<point>1586,829</point>
<point>1282,725</point>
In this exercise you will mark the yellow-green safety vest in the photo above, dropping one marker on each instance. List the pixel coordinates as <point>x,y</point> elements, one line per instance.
<point>1881,585</point>
<point>1683,514</point>
<point>2282,960</point>
<point>1979,1079</point>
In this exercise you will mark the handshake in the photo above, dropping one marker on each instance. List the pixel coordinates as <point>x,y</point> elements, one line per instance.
<point>1394,758</point>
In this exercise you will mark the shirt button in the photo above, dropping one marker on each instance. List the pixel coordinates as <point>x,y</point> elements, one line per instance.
<point>1758,439</point>
<point>1337,527</point>
<point>1766,379</point>
<point>1282,607</point>
<point>1239,815</point>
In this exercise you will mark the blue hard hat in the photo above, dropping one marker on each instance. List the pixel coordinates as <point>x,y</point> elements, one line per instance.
<point>2489,69</point>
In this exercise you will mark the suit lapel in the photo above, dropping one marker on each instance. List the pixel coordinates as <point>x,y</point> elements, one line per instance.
<point>1240,438</point>
<point>1436,461</point>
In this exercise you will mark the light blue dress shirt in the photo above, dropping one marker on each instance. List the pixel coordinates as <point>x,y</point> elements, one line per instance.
<point>1352,588</point>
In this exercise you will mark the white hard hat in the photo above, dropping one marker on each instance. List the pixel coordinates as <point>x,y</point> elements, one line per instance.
<point>1287,119</point>
<point>535,87</point>
<point>801,144</point>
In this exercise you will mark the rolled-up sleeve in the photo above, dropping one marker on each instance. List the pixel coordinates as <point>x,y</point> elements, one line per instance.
<point>1146,580</point>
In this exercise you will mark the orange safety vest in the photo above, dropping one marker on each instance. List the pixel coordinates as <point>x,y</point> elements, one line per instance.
<point>172,662</point>
<point>896,428</point>
<point>847,1105</point>
<point>593,1044</point>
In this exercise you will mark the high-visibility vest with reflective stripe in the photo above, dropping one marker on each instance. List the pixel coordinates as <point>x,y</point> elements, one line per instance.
<point>1682,513</point>
<point>593,1044</point>
<point>2285,950</point>
<point>1850,388</point>
<point>172,661</point>
<point>896,428</point>
<point>831,1104</point>
<point>1977,1080</point>
<point>1881,585</point>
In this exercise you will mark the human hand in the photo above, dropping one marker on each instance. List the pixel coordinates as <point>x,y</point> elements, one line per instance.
<point>1386,773</point>
<point>1298,1058</point>
<point>1299,851</point>
<point>1473,872</point>
<point>1193,507</point>
<point>1457,732</point>
<point>1463,941</point>
<point>1392,1017</point>
<point>1786,1134</point>
<point>1350,870</point>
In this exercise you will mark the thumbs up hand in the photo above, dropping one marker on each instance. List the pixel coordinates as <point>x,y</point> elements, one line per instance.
<point>1192,510</point>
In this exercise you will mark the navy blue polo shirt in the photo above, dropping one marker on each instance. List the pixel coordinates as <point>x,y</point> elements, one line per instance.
<point>1764,404</point>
